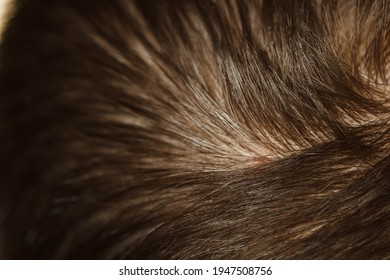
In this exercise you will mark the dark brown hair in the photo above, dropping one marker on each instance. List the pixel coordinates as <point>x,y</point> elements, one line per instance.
<point>195,130</point>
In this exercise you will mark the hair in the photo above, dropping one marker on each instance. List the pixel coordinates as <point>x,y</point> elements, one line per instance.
<point>195,130</point>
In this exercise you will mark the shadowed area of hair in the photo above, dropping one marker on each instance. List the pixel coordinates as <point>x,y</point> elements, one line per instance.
<point>196,130</point>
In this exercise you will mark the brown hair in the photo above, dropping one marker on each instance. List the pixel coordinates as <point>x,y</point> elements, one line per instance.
<point>196,130</point>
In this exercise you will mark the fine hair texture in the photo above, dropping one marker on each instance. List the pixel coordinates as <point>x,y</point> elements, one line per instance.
<point>195,130</point>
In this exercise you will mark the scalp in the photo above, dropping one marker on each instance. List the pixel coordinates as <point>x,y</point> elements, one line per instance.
<point>196,129</point>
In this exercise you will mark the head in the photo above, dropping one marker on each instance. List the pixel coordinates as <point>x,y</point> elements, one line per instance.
<point>195,129</point>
